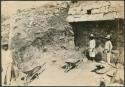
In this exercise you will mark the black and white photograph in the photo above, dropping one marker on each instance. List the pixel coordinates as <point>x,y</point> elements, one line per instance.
<point>62,43</point>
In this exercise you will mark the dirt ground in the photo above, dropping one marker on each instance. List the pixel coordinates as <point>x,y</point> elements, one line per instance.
<point>54,75</point>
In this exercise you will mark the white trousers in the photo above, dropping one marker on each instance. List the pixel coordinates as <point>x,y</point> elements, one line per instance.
<point>6,74</point>
<point>108,56</point>
<point>92,53</point>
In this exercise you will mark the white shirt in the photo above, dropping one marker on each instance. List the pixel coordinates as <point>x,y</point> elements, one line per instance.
<point>108,45</point>
<point>6,57</point>
<point>92,44</point>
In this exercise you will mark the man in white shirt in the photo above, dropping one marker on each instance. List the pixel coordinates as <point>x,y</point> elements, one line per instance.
<point>92,44</point>
<point>108,48</point>
<point>6,64</point>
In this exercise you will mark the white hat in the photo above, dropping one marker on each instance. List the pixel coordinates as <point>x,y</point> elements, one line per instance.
<point>108,36</point>
<point>91,35</point>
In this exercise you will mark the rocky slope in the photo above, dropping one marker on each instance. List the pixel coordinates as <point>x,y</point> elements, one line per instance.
<point>38,30</point>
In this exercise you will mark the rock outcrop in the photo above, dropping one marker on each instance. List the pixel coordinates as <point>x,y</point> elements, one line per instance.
<point>39,30</point>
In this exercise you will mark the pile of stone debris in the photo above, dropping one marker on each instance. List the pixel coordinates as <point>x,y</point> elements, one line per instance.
<point>35,30</point>
<point>114,72</point>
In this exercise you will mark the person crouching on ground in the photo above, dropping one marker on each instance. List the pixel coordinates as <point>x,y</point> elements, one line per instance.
<point>108,48</point>
<point>6,65</point>
<point>92,44</point>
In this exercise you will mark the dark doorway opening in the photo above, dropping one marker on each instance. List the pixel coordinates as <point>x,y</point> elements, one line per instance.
<point>100,30</point>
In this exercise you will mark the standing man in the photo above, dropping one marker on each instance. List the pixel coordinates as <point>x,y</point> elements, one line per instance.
<point>92,44</point>
<point>6,64</point>
<point>108,48</point>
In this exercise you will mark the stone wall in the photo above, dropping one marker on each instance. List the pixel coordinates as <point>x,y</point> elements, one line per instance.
<point>95,10</point>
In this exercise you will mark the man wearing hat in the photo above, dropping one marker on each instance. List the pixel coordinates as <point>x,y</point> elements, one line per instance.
<point>108,48</point>
<point>6,64</point>
<point>92,44</point>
